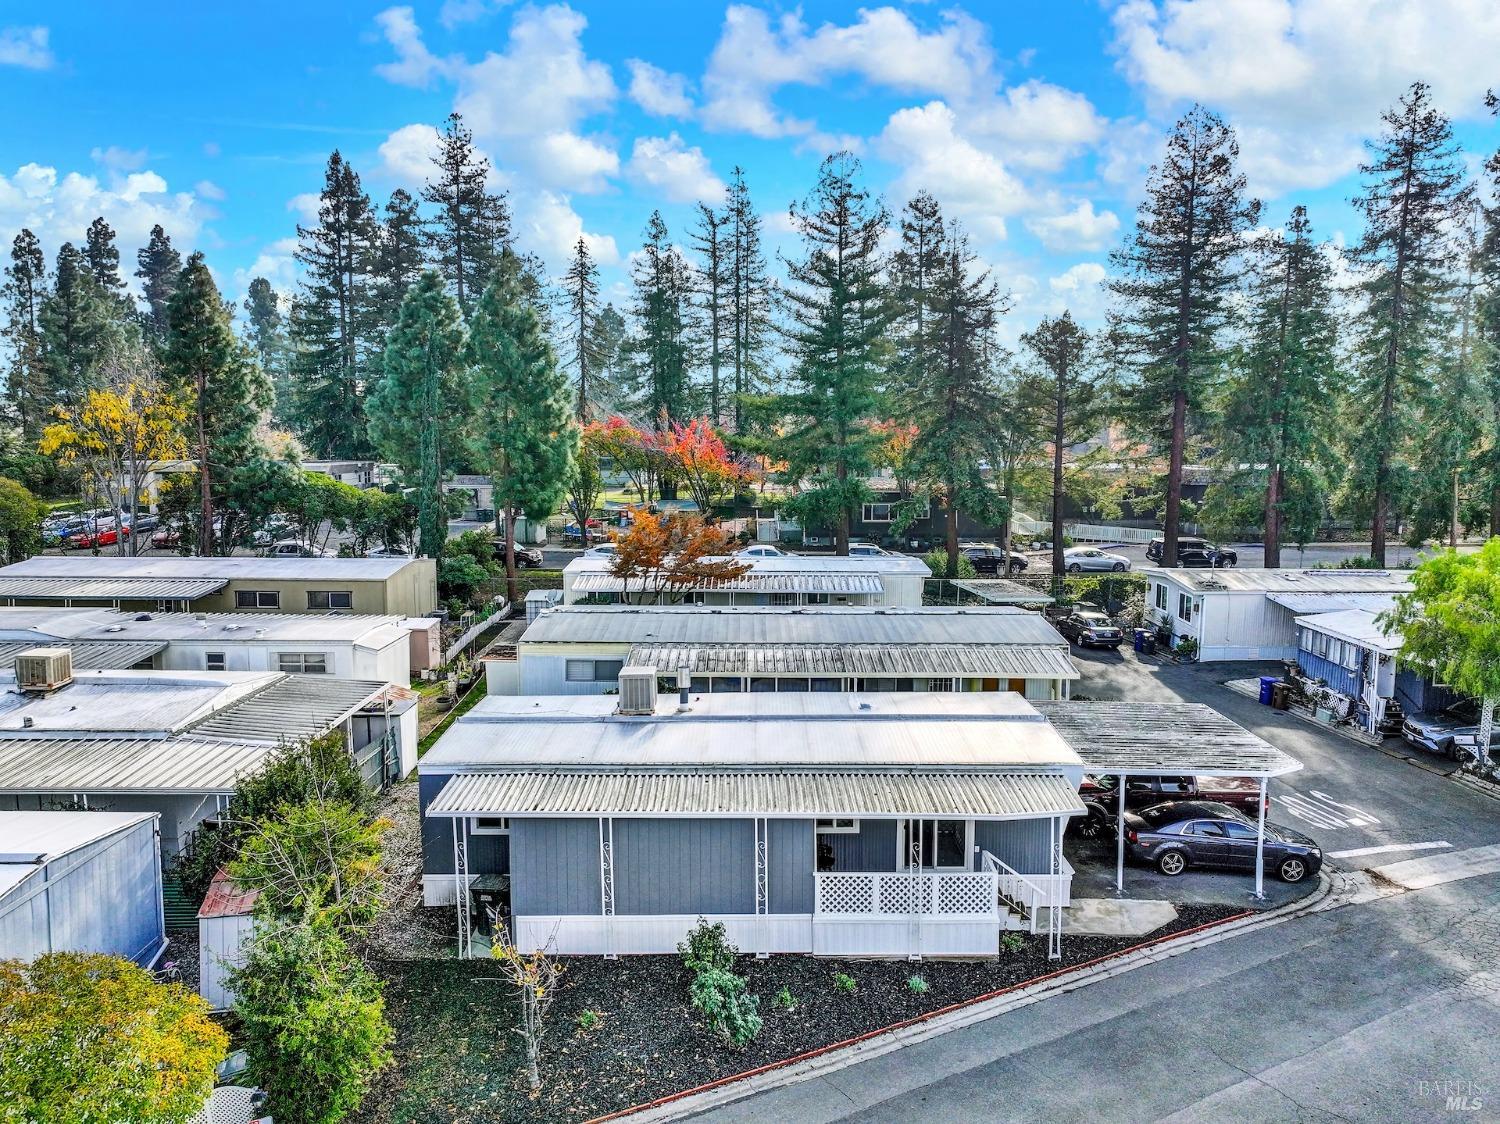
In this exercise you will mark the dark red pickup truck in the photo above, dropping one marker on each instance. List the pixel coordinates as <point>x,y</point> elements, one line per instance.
<point>1102,801</point>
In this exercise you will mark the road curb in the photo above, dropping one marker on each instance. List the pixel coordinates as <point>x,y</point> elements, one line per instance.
<point>685,1105</point>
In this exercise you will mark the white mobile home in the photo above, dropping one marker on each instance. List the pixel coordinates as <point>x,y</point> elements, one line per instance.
<point>887,580</point>
<point>80,882</point>
<point>1234,614</point>
<point>580,649</point>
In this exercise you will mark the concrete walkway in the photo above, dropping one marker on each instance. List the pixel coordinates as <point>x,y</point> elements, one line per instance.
<point>1116,917</point>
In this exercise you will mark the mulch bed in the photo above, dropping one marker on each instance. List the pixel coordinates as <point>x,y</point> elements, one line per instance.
<point>460,1061</point>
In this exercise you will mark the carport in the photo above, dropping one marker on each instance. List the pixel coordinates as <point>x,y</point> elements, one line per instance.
<point>1132,739</point>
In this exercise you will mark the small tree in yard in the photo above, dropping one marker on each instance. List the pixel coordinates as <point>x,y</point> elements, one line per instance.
<point>1450,627</point>
<point>696,456</point>
<point>535,976</point>
<point>21,515</point>
<point>92,1039</point>
<point>585,480</point>
<point>313,1022</point>
<point>670,554</point>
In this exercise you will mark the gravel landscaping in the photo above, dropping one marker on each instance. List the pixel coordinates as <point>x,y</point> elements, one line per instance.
<point>458,1059</point>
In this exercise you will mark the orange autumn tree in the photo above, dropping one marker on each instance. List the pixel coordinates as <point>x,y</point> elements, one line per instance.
<point>697,457</point>
<point>897,440</point>
<point>631,449</point>
<point>664,556</point>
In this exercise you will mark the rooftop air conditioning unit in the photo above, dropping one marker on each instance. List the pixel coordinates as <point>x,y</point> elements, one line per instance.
<point>637,690</point>
<point>43,670</point>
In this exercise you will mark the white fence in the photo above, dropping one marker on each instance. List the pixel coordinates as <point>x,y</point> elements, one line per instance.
<point>1093,532</point>
<point>960,894</point>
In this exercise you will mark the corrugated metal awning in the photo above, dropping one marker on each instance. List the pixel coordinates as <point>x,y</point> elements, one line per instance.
<point>89,655</point>
<point>732,793</point>
<point>295,706</point>
<point>1166,739</point>
<point>1002,591</point>
<point>68,765</point>
<point>1003,661</point>
<point>746,583</point>
<point>108,589</point>
<point>1303,604</point>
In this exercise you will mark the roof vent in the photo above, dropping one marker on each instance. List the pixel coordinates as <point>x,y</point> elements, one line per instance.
<point>44,670</point>
<point>637,691</point>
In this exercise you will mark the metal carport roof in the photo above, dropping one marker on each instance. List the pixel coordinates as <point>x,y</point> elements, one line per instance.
<point>1143,738</point>
<point>1002,591</point>
<point>663,793</point>
<point>1031,661</point>
<point>1303,604</point>
<point>746,583</point>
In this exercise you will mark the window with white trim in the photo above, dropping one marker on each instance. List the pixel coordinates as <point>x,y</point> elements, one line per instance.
<point>837,827</point>
<point>1161,597</point>
<point>213,661</point>
<point>257,599</point>
<point>876,512</point>
<point>303,663</point>
<point>489,825</point>
<point>783,599</point>
<point>593,671</point>
<point>1185,607</point>
<point>330,599</point>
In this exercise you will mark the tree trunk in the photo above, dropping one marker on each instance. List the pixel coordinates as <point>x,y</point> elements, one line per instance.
<point>1272,518</point>
<point>950,534</point>
<point>205,481</point>
<point>511,587</point>
<point>1058,422</point>
<point>1174,479</point>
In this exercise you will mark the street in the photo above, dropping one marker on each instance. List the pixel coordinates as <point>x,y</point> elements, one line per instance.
<point>1384,1010</point>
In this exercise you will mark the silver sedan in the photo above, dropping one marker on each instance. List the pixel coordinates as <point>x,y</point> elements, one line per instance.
<point>1079,558</point>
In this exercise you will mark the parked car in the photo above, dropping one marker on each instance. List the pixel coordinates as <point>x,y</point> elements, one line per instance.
<point>1178,835</point>
<point>602,550</point>
<point>1101,796</point>
<point>1090,628</point>
<point>291,548</point>
<point>761,550</point>
<point>1195,552</point>
<point>103,533</point>
<point>1078,558</point>
<point>527,557</point>
<point>144,522</point>
<point>386,552</point>
<point>867,550</point>
<point>1452,733</point>
<point>992,560</point>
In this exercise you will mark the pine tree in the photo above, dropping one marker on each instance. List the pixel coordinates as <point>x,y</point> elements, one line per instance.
<point>266,328</point>
<point>914,270</point>
<point>79,326</point>
<point>1279,406</point>
<point>581,297</point>
<point>1072,396</point>
<point>950,391</point>
<point>398,258</point>
<point>417,408</point>
<point>157,266</point>
<point>1415,188</point>
<point>1487,324</point>
<point>838,318</point>
<point>711,241</point>
<point>610,338</point>
<point>663,284</point>
<point>331,319</point>
<point>472,224</point>
<point>103,257</point>
<point>1177,276</point>
<point>749,297</point>
<point>25,379</point>
<point>227,394</point>
<point>522,406</point>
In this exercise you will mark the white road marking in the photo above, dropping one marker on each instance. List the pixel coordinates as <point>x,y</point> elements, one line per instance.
<point>1435,845</point>
<point>1417,874</point>
<point>1321,810</point>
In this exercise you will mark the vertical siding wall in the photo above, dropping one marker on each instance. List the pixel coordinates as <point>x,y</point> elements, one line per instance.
<point>488,854</point>
<point>791,859</point>
<point>684,866</point>
<point>1021,845</point>
<point>554,867</point>
<point>872,850</point>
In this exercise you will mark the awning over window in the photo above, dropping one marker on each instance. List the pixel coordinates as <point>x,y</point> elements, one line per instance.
<point>1003,661</point>
<point>772,794</point>
<point>1305,603</point>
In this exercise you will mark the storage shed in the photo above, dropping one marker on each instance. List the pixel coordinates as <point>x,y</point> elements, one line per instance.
<point>226,921</point>
<point>80,882</point>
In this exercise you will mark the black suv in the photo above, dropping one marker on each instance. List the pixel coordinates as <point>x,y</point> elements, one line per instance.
<point>991,560</point>
<point>1195,552</point>
<point>1089,627</point>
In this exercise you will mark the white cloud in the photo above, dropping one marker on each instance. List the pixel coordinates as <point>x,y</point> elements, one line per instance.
<point>118,159</point>
<point>26,47</point>
<point>456,12</point>
<point>546,223</point>
<point>569,160</point>
<point>657,91</point>
<point>674,170</point>
<point>969,182</point>
<point>1081,228</point>
<point>305,207</point>
<point>276,263</point>
<point>1079,290</point>
<point>59,207</point>
<point>406,155</point>
<point>207,189</point>
<point>415,65</point>
<point>1037,124</point>
<point>1304,80</point>
<point>754,58</point>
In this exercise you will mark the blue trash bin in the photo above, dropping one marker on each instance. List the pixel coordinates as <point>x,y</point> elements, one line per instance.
<point>1267,685</point>
<point>1139,639</point>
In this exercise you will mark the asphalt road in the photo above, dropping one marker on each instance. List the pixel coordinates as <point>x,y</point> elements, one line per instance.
<point>1379,1011</point>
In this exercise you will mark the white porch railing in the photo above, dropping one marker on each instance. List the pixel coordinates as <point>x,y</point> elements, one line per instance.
<point>960,895</point>
<point>1033,892</point>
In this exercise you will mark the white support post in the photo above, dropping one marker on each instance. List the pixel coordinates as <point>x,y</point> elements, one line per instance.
<point>1120,840</point>
<point>1054,917</point>
<point>914,868</point>
<point>607,884</point>
<point>1260,843</point>
<point>461,887</point>
<point>762,884</point>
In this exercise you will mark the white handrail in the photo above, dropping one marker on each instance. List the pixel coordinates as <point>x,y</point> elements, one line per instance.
<point>1017,887</point>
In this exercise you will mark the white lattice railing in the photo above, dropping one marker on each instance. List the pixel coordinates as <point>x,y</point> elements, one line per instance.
<point>959,894</point>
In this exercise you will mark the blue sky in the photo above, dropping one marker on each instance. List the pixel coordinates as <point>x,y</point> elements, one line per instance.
<point>1033,122</point>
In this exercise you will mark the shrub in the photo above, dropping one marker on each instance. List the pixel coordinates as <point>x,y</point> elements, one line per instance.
<point>785,1000</point>
<point>844,982</point>
<point>1187,648</point>
<point>937,562</point>
<point>1012,942</point>
<point>707,948</point>
<point>588,1020</point>
<point>92,1039</point>
<point>916,985</point>
<point>730,1011</point>
<point>313,1022</point>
